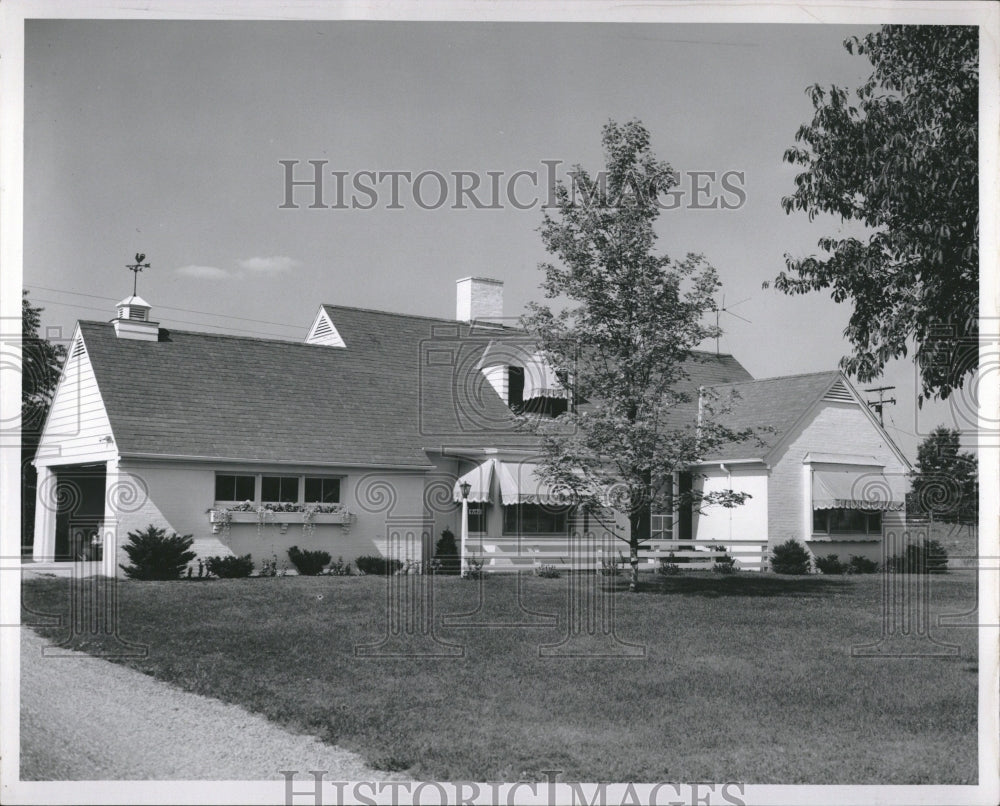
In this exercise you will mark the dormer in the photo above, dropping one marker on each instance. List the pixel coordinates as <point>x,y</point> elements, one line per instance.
<point>133,322</point>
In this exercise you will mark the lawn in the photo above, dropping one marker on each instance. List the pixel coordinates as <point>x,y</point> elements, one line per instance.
<point>744,678</point>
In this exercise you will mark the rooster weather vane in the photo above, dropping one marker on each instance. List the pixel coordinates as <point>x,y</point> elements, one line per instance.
<point>135,268</point>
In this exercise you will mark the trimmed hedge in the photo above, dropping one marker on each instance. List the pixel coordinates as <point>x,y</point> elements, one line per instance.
<point>308,563</point>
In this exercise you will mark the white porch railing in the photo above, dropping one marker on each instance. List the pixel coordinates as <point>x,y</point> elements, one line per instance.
<point>513,553</point>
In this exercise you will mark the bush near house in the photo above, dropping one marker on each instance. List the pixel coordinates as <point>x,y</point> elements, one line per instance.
<point>339,568</point>
<point>861,565</point>
<point>446,553</point>
<point>229,567</point>
<point>925,557</point>
<point>830,564</point>
<point>381,566</point>
<point>155,555</point>
<point>790,557</point>
<point>308,563</point>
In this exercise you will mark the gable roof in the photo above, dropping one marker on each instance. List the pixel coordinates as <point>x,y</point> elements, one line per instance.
<point>775,406</point>
<point>404,386</point>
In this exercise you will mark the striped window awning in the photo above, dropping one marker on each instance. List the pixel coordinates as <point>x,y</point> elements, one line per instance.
<point>853,489</point>
<point>521,484</point>
<point>480,480</point>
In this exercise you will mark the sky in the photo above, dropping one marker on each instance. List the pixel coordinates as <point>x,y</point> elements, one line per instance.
<point>167,138</point>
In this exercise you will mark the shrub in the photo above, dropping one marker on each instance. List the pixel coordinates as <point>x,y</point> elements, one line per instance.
<point>861,565</point>
<point>668,566</point>
<point>154,555</point>
<point>830,564</point>
<point>547,572</point>
<point>374,564</point>
<point>724,564</point>
<point>474,568</point>
<point>790,557</point>
<point>308,563</point>
<point>339,568</point>
<point>925,557</point>
<point>446,553</point>
<point>269,568</point>
<point>229,567</point>
<point>612,566</point>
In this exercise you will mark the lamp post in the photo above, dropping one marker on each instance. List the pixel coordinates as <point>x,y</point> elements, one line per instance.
<point>465,487</point>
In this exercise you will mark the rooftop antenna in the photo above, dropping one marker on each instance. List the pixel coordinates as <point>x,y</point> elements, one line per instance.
<point>880,404</point>
<point>135,268</point>
<point>729,310</point>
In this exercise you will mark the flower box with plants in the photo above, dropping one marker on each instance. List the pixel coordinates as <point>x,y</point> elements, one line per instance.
<point>279,514</point>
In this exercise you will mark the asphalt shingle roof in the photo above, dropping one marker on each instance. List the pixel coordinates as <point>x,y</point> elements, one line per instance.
<point>769,403</point>
<point>404,385</point>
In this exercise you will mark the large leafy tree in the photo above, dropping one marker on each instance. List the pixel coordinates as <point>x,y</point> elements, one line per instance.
<point>945,481</point>
<point>628,320</point>
<point>902,160</point>
<point>41,361</point>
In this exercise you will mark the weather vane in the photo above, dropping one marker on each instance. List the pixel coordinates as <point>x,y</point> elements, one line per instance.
<point>136,267</point>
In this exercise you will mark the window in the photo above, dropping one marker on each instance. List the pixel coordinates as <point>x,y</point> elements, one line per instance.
<point>661,526</point>
<point>535,519</point>
<point>279,489</point>
<point>515,387</point>
<point>477,517</point>
<point>846,522</point>
<point>232,487</point>
<point>322,490</point>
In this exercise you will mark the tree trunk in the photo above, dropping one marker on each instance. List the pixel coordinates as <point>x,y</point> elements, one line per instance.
<point>635,523</point>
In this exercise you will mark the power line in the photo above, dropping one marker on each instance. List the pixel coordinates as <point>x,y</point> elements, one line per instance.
<point>165,307</point>
<point>880,404</point>
<point>180,321</point>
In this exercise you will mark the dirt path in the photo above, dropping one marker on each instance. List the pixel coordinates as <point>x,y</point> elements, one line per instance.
<point>83,718</point>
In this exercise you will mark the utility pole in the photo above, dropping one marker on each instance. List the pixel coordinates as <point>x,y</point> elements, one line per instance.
<point>879,404</point>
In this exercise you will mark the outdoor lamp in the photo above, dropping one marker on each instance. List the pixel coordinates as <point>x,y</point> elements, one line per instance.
<point>465,487</point>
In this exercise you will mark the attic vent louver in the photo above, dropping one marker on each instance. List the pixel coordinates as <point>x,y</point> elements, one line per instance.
<point>839,394</point>
<point>78,349</point>
<point>324,332</point>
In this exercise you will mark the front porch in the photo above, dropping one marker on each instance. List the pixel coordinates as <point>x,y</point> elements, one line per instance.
<point>75,519</point>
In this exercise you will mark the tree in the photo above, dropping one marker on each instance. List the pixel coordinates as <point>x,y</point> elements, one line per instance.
<point>903,162</point>
<point>41,363</point>
<point>945,482</point>
<point>630,321</point>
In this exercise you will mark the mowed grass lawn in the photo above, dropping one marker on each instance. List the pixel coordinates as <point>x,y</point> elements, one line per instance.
<point>745,678</point>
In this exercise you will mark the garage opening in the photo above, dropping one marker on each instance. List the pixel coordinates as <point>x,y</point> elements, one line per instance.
<point>80,493</point>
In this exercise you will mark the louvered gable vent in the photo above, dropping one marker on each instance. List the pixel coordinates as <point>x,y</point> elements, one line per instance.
<point>324,332</point>
<point>839,393</point>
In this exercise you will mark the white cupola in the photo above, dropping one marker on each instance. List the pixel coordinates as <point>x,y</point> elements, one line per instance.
<point>133,322</point>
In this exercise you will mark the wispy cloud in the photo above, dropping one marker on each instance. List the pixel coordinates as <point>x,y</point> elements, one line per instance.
<point>205,272</point>
<point>268,265</point>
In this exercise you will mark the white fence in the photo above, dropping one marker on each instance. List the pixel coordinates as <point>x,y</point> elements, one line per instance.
<point>514,553</point>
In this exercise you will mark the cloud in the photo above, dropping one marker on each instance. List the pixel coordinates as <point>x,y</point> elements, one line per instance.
<point>268,265</point>
<point>205,272</point>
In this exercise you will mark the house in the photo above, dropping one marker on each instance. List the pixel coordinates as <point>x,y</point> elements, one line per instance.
<point>357,440</point>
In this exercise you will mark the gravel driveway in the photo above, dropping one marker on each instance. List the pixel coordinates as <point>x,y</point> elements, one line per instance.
<point>83,718</point>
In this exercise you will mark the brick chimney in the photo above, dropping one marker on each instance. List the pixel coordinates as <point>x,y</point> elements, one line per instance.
<point>479,299</point>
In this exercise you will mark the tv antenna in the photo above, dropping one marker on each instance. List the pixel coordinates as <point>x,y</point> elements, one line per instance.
<point>723,309</point>
<point>880,404</point>
<point>135,268</point>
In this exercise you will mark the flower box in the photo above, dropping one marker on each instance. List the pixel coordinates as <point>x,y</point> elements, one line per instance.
<point>221,518</point>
